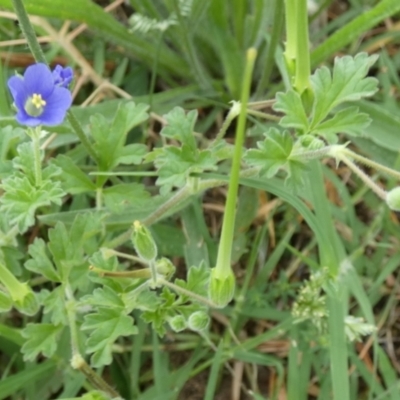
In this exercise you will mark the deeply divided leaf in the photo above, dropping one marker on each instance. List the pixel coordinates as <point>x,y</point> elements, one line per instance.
<point>348,82</point>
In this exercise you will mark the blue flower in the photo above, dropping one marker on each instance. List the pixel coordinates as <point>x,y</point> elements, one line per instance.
<point>39,101</point>
<point>63,76</point>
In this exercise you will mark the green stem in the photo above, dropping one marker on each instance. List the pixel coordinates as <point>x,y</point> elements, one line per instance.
<point>291,35</point>
<point>138,273</point>
<point>302,79</point>
<point>180,196</point>
<point>363,176</point>
<point>28,32</point>
<point>153,270</point>
<point>82,137</point>
<point>77,361</point>
<point>223,267</point>
<point>232,114</point>
<point>37,156</point>
<point>185,292</point>
<point>371,163</point>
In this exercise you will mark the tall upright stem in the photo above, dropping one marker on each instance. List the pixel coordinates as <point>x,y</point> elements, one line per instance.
<point>223,267</point>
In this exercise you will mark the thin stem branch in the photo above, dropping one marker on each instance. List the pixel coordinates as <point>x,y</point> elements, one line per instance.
<point>185,292</point>
<point>77,361</point>
<point>363,176</point>
<point>371,163</point>
<point>28,31</point>
<point>37,156</point>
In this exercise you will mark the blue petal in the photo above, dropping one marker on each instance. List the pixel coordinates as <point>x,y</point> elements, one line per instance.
<point>18,91</point>
<point>56,108</point>
<point>24,119</point>
<point>39,79</point>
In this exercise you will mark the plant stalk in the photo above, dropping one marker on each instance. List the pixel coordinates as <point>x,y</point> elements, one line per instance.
<point>223,266</point>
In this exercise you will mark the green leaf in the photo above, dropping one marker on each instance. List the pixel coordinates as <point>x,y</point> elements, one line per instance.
<point>107,325</point>
<point>41,338</point>
<point>132,154</point>
<point>273,153</point>
<point>348,82</point>
<point>104,297</point>
<point>349,121</point>
<point>180,126</point>
<point>118,197</point>
<point>110,137</point>
<point>67,246</point>
<point>290,104</point>
<point>175,164</point>
<point>197,280</point>
<point>25,161</point>
<point>21,199</point>
<point>40,261</point>
<point>74,179</point>
<point>54,305</point>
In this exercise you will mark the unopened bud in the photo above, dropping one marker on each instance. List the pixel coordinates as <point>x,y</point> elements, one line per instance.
<point>311,142</point>
<point>221,290</point>
<point>165,268</point>
<point>143,242</point>
<point>393,199</point>
<point>27,304</point>
<point>177,323</point>
<point>198,321</point>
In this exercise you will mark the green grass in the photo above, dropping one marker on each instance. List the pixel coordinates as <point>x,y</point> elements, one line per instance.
<point>334,221</point>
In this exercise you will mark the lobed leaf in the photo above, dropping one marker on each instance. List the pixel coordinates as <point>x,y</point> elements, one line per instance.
<point>110,137</point>
<point>40,261</point>
<point>348,120</point>
<point>180,126</point>
<point>291,105</point>
<point>107,326</point>
<point>21,199</point>
<point>40,338</point>
<point>348,82</point>
<point>273,153</point>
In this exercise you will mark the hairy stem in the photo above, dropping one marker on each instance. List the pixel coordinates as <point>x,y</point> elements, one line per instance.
<point>28,32</point>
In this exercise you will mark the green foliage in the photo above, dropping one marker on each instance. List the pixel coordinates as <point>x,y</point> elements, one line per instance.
<point>110,137</point>
<point>275,153</point>
<point>40,339</point>
<point>346,83</point>
<point>106,326</point>
<point>175,164</point>
<point>64,230</point>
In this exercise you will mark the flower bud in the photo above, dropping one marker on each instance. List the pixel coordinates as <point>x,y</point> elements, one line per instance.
<point>27,304</point>
<point>198,321</point>
<point>221,290</point>
<point>311,142</point>
<point>165,268</point>
<point>95,395</point>
<point>143,242</point>
<point>177,323</point>
<point>393,199</point>
<point>5,302</point>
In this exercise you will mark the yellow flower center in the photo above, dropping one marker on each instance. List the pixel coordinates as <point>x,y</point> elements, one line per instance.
<point>34,106</point>
<point>37,100</point>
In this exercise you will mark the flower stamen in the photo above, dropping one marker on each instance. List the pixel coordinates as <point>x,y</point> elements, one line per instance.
<point>37,100</point>
<point>34,106</point>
